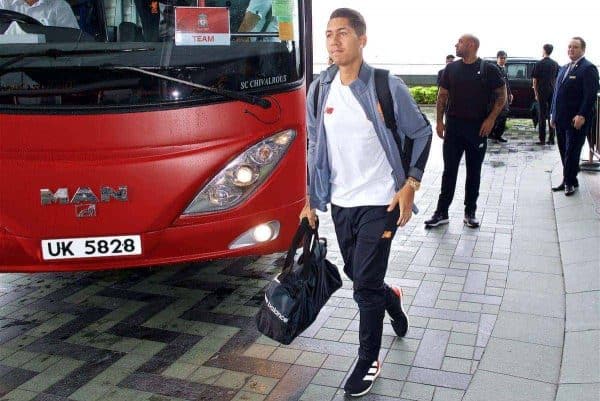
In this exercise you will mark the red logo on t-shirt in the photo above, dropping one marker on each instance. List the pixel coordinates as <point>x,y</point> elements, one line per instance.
<point>329,110</point>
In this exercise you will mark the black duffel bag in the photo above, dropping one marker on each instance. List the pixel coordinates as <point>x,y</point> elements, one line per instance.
<point>294,298</point>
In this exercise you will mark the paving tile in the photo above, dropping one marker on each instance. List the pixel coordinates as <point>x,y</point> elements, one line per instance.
<point>582,277</point>
<point>535,263</point>
<point>427,294</point>
<point>489,386</point>
<point>335,362</point>
<point>580,251</point>
<point>313,359</point>
<point>439,378</point>
<point>293,384</point>
<point>248,396</point>
<point>432,348</point>
<point>400,357</point>
<point>460,351</point>
<point>581,357</point>
<point>457,365</point>
<point>20,395</point>
<point>583,311</point>
<point>285,355</point>
<point>387,387</point>
<point>394,371</point>
<point>542,304</point>
<point>448,394</point>
<point>318,393</point>
<point>444,314</point>
<point>462,339</point>
<point>417,391</point>
<point>259,351</point>
<point>579,392</point>
<point>331,378</point>
<point>260,384</point>
<point>535,282</point>
<point>528,361</point>
<point>529,328</point>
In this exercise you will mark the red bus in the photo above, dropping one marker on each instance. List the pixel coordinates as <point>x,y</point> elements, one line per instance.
<point>151,134</point>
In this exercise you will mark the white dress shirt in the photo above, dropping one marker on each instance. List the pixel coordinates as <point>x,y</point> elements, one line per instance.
<point>48,12</point>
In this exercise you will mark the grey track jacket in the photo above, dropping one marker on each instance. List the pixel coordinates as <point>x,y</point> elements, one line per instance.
<point>411,123</point>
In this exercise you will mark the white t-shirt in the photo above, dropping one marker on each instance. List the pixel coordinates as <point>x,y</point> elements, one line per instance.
<point>48,12</point>
<point>361,174</point>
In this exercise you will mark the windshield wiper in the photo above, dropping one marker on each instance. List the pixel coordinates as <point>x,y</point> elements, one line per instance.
<point>244,97</point>
<point>56,53</point>
<point>103,85</point>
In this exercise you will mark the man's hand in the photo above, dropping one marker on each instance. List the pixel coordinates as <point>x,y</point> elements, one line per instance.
<point>440,129</point>
<point>310,214</point>
<point>405,199</point>
<point>578,122</point>
<point>487,126</point>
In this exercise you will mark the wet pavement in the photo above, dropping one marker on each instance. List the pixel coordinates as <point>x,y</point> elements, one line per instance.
<point>510,311</point>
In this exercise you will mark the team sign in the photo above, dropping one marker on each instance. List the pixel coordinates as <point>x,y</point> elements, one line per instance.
<point>202,26</point>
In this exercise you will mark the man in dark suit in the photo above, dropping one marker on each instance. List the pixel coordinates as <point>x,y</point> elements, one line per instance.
<point>572,112</point>
<point>544,81</point>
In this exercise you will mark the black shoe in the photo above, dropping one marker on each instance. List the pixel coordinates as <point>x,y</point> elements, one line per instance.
<point>500,139</point>
<point>551,142</point>
<point>560,187</point>
<point>362,378</point>
<point>569,190</point>
<point>394,307</point>
<point>437,220</point>
<point>470,220</point>
<point>541,143</point>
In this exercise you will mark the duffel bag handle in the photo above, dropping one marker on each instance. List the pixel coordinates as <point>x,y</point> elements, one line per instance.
<point>305,235</point>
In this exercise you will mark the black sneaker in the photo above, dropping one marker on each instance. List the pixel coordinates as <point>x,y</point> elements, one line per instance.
<point>470,220</point>
<point>394,307</point>
<point>362,378</point>
<point>437,220</point>
<point>501,140</point>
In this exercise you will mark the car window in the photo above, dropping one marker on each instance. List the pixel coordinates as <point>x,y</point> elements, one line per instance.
<point>517,71</point>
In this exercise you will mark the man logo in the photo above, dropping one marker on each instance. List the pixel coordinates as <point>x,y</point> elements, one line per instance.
<point>84,199</point>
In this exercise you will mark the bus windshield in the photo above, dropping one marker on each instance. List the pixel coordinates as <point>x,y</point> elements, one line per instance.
<point>73,54</point>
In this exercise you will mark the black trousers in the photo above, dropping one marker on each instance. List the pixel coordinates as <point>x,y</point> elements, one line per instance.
<point>462,136</point>
<point>359,232</point>
<point>499,126</point>
<point>544,104</point>
<point>570,142</point>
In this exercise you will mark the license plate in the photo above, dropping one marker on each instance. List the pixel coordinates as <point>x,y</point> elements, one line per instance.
<point>91,247</point>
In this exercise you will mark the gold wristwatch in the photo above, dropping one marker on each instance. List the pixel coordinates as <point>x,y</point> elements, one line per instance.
<point>413,183</point>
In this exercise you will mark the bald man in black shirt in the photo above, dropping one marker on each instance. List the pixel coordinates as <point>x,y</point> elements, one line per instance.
<point>466,90</point>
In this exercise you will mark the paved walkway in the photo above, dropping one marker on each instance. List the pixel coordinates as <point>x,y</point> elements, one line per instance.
<point>507,312</point>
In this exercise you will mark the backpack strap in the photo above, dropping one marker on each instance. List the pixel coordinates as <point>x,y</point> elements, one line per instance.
<point>483,72</point>
<point>316,99</point>
<point>384,97</point>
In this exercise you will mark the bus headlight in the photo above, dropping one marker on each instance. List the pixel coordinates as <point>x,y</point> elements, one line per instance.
<point>240,178</point>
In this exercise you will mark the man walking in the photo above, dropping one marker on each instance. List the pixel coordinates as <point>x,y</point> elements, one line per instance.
<point>500,125</point>
<point>355,164</point>
<point>464,98</point>
<point>573,107</point>
<point>544,78</point>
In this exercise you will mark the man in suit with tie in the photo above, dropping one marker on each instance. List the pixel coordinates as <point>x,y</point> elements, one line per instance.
<point>573,107</point>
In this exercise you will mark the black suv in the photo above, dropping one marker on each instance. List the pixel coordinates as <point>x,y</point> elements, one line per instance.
<point>519,72</point>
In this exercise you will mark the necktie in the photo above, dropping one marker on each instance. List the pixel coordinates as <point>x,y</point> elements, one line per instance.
<point>571,65</point>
